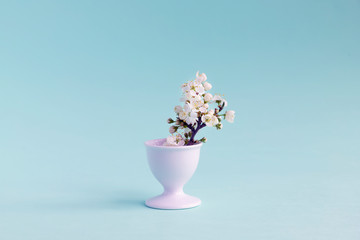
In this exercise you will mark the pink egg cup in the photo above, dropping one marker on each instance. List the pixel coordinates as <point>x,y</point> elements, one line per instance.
<point>172,166</point>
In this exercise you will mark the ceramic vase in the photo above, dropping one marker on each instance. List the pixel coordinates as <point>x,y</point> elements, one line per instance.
<point>172,166</point>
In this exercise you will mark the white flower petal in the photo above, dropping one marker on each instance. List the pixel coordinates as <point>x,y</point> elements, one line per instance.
<point>230,116</point>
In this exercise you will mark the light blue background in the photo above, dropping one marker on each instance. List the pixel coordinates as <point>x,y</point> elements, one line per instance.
<point>84,83</point>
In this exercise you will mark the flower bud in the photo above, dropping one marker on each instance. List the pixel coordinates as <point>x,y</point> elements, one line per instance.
<point>207,97</point>
<point>204,139</point>
<point>170,121</point>
<point>172,129</point>
<point>207,86</point>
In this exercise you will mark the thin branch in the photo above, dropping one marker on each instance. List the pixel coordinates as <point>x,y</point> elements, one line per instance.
<point>221,107</point>
<point>188,125</point>
<point>199,126</point>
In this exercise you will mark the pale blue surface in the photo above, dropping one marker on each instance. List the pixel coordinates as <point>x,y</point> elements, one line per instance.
<point>83,84</point>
